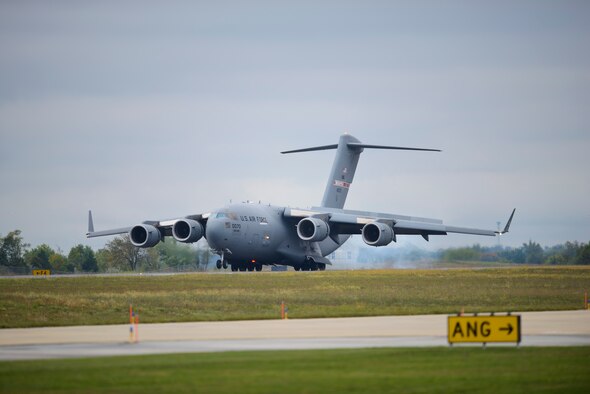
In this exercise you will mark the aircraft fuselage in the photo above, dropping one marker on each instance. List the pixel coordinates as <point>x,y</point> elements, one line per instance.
<point>259,234</point>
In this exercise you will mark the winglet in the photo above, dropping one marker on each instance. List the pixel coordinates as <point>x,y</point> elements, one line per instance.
<point>90,223</point>
<point>507,227</point>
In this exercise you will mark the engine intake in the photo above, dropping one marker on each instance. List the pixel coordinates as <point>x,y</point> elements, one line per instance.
<point>312,229</point>
<point>187,230</point>
<point>377,234</point>
<point>144,236</point>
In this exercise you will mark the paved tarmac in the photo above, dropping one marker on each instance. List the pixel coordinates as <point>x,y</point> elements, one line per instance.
<point>564,328</point>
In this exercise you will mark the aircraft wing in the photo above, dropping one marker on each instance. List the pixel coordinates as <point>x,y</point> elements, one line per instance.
<point>344,222</point>
<point>163,226</point>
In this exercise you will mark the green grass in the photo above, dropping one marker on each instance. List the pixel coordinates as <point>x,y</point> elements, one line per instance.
<point>434,370</point>
<point>57,301</point>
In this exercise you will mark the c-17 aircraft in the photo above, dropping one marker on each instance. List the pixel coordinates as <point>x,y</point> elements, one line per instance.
<point>248,236</point>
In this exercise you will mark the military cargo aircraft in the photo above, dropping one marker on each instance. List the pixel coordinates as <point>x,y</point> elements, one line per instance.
<point>248,236</point>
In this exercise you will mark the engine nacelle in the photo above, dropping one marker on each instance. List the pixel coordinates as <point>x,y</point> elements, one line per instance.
<point>144,236</point>
<point>312,229</point>
<point>187,230</point>
<point>377,234</point>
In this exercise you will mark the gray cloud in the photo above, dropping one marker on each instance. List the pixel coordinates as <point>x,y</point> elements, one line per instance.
<point>160,111</point>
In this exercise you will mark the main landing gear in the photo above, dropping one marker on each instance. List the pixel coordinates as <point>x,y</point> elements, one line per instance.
<point>235,266</point>
<point>310,266</point>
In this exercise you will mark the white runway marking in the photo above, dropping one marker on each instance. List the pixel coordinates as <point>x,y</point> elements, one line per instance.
<point>565,328</point>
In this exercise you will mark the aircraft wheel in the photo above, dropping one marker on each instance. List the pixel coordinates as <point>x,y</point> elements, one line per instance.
<point>218,264</point>
<point>322,267</point>
<point>258,267</point>
<point>297,268</point>
<point>242,268</point>
<point>250,268</point>
<point>234,267</point>
<point>224,264</point>
<point>314,267</point>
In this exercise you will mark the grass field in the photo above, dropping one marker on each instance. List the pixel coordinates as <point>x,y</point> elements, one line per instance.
<point>435,370</point>
<point>56,301</point>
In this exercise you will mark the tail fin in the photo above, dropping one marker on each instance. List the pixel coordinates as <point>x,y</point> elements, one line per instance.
<point>348,151</point>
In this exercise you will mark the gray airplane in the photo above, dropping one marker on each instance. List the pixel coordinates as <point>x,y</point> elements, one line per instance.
<point>247,236</point>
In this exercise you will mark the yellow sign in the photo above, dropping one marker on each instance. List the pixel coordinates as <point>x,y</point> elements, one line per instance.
<point>484,329</point>
<point>41,272</point>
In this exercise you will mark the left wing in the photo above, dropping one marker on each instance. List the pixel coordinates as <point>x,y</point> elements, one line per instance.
<point>372,224</point>
<point>187,229</point>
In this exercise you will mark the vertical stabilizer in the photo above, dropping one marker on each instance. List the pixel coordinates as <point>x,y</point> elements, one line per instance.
<point>348,152</point>
<point>342,173</point>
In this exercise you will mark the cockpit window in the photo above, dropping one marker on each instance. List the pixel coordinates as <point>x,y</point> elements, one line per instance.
<point>226,214</point>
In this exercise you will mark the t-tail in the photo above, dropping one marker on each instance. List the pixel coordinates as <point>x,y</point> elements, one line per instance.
<point>348,152</point>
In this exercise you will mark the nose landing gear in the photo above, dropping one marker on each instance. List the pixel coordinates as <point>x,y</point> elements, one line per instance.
<point>221,264</point>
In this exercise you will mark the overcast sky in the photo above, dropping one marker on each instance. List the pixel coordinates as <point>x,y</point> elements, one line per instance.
<point>142,110</point>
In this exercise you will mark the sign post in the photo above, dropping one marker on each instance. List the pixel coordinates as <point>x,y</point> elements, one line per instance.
<point>485,329</point>
<point>41,272</point>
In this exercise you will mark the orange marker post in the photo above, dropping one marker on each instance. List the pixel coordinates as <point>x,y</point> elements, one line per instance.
<point>283,310</point>
<point>136,327</point>
<point>586,300</point>
<point>130,323</point>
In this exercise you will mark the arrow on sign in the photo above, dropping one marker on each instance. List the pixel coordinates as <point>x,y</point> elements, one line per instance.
<point>509,329</point>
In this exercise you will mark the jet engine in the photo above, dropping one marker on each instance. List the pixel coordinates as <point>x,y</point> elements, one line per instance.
<point>144,236</point>
<point>187,230</point>
<point>312,229</point>
<point>377,234</point>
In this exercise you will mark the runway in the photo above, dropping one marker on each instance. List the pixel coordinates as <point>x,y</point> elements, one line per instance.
<point>564,328</point>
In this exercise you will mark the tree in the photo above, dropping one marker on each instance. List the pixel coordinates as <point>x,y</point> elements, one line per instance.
<point>176,254</point>
<point>462,254</point>
<point>103,261</point>
<point>12,249</point>
<point>60,263</point>
<point>82,257</point>
<point>533,253</point>
<point>203,256</point>
<point>38,257</point>
<point>513,255</point>
<point>121,253</point>
<point>583,255</point>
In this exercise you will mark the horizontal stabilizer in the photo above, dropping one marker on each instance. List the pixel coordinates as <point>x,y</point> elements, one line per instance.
<point>324,147</point>
<point>360,145</point>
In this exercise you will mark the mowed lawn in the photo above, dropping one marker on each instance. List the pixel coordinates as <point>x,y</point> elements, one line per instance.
<point>432,370</point>
<point>58,301</point>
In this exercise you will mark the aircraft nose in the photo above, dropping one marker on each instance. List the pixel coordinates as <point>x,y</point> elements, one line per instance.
<point>215,233</point>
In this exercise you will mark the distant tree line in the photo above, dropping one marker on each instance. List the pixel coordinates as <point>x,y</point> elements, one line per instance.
<point>118,255</point>
<point>569,253</point>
